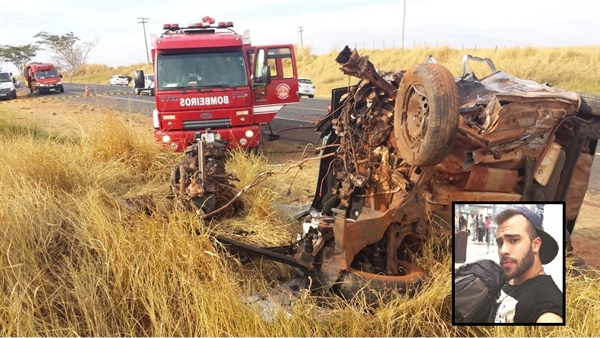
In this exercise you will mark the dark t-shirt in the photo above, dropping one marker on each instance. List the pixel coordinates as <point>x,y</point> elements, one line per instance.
<point>526,302</point>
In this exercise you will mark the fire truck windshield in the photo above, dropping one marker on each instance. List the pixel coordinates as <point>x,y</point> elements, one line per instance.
<point>42,74</point>
<point>201,70</point>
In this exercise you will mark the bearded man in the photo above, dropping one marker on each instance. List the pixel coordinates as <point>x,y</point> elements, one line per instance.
<point>530,296</point>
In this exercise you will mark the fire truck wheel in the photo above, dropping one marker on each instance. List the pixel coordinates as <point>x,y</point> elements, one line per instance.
<point>590,104</point>
<point>359,285</point>
<point>426,114</point>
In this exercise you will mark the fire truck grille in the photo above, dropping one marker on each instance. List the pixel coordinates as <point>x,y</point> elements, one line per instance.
<point>213,124</point>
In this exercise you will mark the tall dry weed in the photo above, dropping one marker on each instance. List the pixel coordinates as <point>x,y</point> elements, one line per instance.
<point>76,261</point>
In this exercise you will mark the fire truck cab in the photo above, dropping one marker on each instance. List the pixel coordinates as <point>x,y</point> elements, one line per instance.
<point>210,81</point>
<point>42,78</point>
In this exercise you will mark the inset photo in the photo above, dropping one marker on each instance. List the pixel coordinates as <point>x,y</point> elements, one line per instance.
<point>509,263</point>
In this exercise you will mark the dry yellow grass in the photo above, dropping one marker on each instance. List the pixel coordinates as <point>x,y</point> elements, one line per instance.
<point>75,262</point>
<point>569,68</point>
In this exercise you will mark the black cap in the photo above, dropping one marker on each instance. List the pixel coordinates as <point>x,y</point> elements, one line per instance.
<point>549,247</point>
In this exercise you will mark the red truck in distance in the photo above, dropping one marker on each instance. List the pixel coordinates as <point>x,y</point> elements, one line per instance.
<point>209,80</point>
<point>42,78</point>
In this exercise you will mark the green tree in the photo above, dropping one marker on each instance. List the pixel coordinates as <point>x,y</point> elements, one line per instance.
<point>18,55</point>
<point>70,53</point>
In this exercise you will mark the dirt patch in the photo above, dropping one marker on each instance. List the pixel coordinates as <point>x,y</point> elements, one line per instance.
<point>586,238</point>
<point>282,150</point>
<point>588,250</point>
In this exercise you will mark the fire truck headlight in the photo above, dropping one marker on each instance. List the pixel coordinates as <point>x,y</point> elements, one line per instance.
<point>249,133</point>
<point>166,138</point>
<point>58,83</point>
<point>243,141</point>
<point>242,112</point>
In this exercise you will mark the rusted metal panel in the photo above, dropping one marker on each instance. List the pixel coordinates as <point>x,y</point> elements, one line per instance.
<point>508,159</point>
<point>446,194</point>
<point>482,178</point>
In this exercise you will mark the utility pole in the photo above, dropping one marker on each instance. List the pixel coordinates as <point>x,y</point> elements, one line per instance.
<point>144,22</point>
<point>403,20</point>
<point>300,30</point>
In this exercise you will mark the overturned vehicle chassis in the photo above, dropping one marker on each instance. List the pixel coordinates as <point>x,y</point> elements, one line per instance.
<point>398,148</point>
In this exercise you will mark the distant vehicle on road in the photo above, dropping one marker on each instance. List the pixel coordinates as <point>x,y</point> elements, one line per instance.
<point>42,77</point>
<point>118,80</point>
<point>306,87</point>
<point>7,87</point>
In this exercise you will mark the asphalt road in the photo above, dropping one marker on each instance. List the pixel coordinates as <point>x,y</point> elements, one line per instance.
<point>293,122</point>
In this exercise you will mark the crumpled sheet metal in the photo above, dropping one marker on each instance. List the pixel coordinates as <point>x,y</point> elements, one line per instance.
<point>505,119</point>
<point>510,88</point>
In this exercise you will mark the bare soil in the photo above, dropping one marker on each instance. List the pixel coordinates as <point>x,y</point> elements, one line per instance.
<point>586,238</point>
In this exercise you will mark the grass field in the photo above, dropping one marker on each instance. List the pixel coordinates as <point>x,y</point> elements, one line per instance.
<point>569,68</point>
<point>76,261</point>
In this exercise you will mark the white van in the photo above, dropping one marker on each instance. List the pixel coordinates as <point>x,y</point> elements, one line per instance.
<point>7,87</point>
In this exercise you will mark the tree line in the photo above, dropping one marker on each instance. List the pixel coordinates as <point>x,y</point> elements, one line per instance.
<point>69,52</point>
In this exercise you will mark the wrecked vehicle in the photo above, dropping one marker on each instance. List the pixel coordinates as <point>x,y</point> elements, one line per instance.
<point>399,148</point>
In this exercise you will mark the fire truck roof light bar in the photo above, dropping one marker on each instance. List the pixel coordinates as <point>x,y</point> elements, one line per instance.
<point>205,23</point>
<point>171,26</point>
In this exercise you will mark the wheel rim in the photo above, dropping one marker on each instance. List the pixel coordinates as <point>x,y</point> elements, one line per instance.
<point>414,116</point>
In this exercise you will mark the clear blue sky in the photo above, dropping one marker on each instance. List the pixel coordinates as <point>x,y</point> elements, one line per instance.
<point>325,24</point>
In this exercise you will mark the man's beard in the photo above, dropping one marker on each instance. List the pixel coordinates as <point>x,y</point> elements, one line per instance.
<point>521,267</point>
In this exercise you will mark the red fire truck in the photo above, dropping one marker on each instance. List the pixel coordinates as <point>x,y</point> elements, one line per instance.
<point>210,82</point>
<point>42,77</point>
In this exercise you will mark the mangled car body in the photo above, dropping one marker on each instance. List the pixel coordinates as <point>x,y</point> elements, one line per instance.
<point>398,148</point>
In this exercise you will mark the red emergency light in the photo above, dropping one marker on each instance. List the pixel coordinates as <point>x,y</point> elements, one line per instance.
<point>208,20</point>
<point>225,24</point>
<point>171,26</point>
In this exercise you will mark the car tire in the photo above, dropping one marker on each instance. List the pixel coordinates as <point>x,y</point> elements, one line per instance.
<point>311,96</point>
<point>62,89</point>
<point>426,114</point>
<point>590,104</point>
<point>359,285</point>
